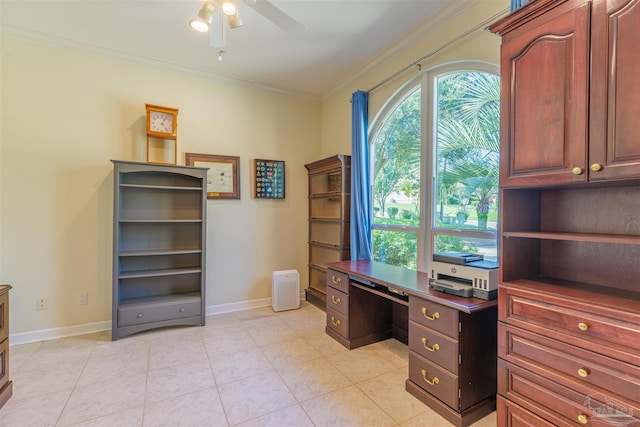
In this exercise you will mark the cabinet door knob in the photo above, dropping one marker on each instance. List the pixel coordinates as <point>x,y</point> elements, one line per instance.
<point>432,348</point>
<point>139,316</point>
<point>434,381</point>
<point>335,279</point>
<point>435,316</point>
<point>583,372</point>
<point>334,321</point>
<point>335,300</point>
<point>596,167</point>
<point>583,326</point>
<point>181,309</point>
<point>583,419</point>
<point>576,171</point>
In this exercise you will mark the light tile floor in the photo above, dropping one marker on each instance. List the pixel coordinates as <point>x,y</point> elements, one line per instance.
<point>249,368</point>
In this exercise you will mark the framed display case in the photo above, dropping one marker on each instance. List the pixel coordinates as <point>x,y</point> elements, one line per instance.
<point>269,179</point>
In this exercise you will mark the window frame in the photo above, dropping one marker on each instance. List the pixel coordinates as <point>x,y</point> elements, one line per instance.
<point>426,232</point>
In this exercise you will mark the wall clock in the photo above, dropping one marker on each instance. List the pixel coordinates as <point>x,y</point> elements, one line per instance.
<point>162,133</point>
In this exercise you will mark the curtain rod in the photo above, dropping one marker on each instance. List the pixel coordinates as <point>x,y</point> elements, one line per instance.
<point>417,62</point>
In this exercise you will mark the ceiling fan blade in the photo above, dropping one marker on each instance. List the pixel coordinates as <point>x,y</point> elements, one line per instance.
<point>275,15</point>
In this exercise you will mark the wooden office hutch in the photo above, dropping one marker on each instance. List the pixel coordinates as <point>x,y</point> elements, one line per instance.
<point>569,295</point>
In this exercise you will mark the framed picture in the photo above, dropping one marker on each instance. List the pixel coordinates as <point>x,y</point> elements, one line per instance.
<point>269,179</point>
<point>223,177</point>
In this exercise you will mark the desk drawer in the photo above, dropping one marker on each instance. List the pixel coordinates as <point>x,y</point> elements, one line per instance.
<point>435,316</point>
<point>434,347</point>
<point>338,280</point>
<point>512,415</point>
<point>337,321</point>
<point>531,391</point>
<point>434,380</point>
<point>567,362</point>
<point>544,311</point>
<point>337,300</point>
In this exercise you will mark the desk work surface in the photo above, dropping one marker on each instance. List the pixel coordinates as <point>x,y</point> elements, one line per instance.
<point>411,282</point>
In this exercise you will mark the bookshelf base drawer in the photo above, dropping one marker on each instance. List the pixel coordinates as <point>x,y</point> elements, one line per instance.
<point>137,314</point>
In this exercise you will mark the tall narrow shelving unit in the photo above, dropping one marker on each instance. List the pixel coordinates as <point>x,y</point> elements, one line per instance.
<point>158,247</point>
<point>329,219</point>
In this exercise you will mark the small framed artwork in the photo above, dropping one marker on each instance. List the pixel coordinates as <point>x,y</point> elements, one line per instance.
<point>223,177</point>
<point>269,179</point>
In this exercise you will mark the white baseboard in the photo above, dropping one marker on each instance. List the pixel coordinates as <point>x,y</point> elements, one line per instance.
<point>53,333</point>
<point>237,306</point>
<point>89,328</point>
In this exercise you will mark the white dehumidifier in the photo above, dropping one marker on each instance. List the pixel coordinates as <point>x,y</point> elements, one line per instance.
<point>285,292</point>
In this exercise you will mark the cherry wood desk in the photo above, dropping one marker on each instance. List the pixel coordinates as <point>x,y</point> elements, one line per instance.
<point>452,340</point>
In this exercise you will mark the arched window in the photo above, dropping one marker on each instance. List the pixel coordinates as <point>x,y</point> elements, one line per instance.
<point>435,149</point>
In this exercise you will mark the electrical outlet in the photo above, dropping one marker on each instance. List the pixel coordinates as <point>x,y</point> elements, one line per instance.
<point>82,299</point>
<point>41,304</point>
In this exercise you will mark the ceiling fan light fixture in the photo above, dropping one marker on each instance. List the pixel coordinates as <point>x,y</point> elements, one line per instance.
<point>199,25</point>
<point>235,21</point>
<point>229,7</point>
<point>204,18</point>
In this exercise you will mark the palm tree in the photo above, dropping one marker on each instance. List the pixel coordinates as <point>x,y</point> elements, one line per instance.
<point>468,135</point>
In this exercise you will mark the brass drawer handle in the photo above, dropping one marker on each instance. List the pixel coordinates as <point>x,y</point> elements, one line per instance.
<point>576,171</point>
<point>583,372</point>
<point>435,316</point>
<point>335,300</point>
<point>434,381</point>
<point>334,321</point>
<point>596,167</point>
<point>583,419</point>
<point>335,279</point>
<point>583,326</point>
<point>432,348</point>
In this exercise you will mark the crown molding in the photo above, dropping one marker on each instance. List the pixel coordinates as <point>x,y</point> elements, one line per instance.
<point>119,55</point>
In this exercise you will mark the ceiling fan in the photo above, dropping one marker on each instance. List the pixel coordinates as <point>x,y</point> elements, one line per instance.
<point>211,18</point>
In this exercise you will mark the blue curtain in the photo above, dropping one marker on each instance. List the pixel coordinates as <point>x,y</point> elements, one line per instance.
<point>360,185</point>
<point>518,3</point>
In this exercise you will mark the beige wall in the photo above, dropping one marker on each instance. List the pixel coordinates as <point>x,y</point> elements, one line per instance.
<point>66,113</point>
<point>479,45</point>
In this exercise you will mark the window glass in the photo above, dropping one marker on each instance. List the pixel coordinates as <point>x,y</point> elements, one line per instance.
<point>395,248</point>
<point>466,163</point>
<point>396,183</point>
<point>396,166</point>
<point>476,245</point>
<point>467,151</point>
